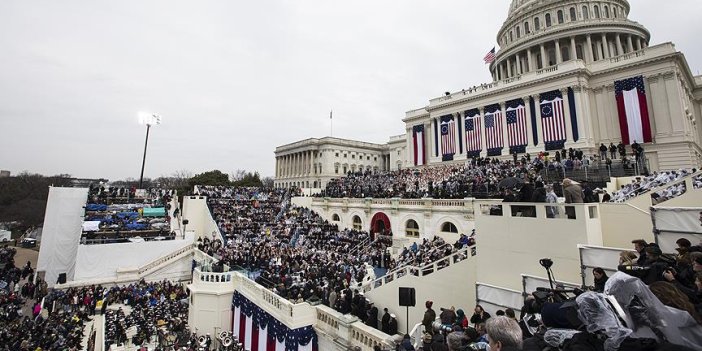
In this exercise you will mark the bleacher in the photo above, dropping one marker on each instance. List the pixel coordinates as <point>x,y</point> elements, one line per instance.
<point>119,215</point>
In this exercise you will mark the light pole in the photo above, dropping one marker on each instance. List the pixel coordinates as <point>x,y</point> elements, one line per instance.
<point>148,119</point>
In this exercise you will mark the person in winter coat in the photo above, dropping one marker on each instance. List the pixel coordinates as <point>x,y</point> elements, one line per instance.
<point>479,316</point>
<point>429,317</point>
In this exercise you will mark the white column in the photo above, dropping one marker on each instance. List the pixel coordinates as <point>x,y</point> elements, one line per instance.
<point>566,113</point>
<point>544,62</point>
<point>582,107</point>
<point>529,59</point>
<point>629,43</point>
<point>620,48</point>
<point>409,146</point>
<point>518,65</point>
<point>590,54</point>
<point>573,50</point>
<point>605,46</point>
<point>427,141</point>
<point>509,68</point>
<point>559,57</point>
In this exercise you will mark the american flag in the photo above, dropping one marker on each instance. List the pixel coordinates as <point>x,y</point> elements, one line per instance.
<point>553,117</point>
<point>517,126</point>
<point>490,57</point>
<point>634,121</point>
<point>473,140</point>
<point>448,135</point>
<point>493,130</point>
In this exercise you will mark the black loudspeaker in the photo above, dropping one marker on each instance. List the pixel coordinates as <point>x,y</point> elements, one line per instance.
<point>62,278</point>
<point>407,297</point>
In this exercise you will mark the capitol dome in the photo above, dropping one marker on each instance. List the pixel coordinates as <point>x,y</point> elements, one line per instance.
<point>540,34</point>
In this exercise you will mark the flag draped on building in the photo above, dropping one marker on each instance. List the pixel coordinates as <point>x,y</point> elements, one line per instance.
<point>448,137</point>
<point>634,123</point>
<point>474,128</point>
<point>553,122</point>
<point>493,130</point>
<point>418,144</point>
<point>516,116</point>
<point>259,331</point>
<point>490,56</point>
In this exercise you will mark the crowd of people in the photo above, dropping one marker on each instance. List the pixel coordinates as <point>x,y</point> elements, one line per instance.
<point>290,250</point>
<point>644,184</point>
<point>479,178</point>
<point>156,311</point>
<point>118,215</point>
<point>23,326</point>
<point>301,257</point>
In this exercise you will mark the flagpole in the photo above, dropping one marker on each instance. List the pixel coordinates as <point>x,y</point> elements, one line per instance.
<point>331,124</point>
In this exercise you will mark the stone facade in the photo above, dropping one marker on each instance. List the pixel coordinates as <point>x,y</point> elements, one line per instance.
<point>311,163</point>
<point>575,50</point>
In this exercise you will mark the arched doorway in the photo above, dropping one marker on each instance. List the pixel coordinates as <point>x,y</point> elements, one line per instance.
<point>380,224</point>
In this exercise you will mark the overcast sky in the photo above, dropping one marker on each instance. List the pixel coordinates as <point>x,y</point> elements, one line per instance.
<point>235,79</point>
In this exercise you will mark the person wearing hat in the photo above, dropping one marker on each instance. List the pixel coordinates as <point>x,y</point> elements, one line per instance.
<point>429,317</point>
<point>573,194</point>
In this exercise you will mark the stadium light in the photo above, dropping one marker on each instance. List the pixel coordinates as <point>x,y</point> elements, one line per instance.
<point>149,119</point>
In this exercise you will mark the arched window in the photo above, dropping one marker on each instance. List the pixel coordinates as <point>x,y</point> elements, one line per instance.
<point>449,227</point>
<point>579,52</point>
<point>559,14</point>
<point>597,11</point>
<point>335,217</point>
<point>537,24</point>
<point>586,12</point>
<point>511,36</point>
<point>519,32</point>
<point>357,224</point>
<point>548,20</point>
<point>526,28</point>
<point>573,15</point>
<point>606,11</point>
<point>565,53</point>
<point>616,12</point>
<point>412,229</point>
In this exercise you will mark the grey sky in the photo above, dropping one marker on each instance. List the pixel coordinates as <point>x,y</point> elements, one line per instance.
<point>235,79</point>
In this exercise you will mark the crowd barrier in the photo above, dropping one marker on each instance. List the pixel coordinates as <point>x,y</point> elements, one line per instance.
<point>591,257</point>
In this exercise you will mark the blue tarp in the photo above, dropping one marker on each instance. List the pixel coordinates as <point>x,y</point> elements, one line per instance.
<point>95,207</point>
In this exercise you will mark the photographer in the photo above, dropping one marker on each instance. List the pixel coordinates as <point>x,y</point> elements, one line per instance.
<point>479,316</point>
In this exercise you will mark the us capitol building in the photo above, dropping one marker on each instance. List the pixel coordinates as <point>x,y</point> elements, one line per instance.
<point>568,74</point>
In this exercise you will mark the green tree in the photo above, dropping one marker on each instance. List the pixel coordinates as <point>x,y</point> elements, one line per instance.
<point>215,177</point>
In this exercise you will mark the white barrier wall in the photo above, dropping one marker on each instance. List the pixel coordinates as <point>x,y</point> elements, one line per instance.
<point>591,257</point>
<point>453,285</point>
<point>673,223</point>
<point>199,218</point>
<point>104,261</point>
<point>511,245</point>
<point>62,230</point>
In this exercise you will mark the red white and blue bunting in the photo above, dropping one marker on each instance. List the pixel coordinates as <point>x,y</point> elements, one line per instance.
<point>259,331</point>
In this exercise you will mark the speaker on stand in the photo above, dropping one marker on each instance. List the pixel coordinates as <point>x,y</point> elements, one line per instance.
<point>408,299</point>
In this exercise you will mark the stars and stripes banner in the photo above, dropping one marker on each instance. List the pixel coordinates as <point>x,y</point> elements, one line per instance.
<point>474,128</point>
<point>490,56</point>
<point>634,123</point>
<point>259,331</point>
<point>494,139</point>
<point>418,144</point>
<point>553,123</point>
<point>448,137</point>
<point>516,116</point>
